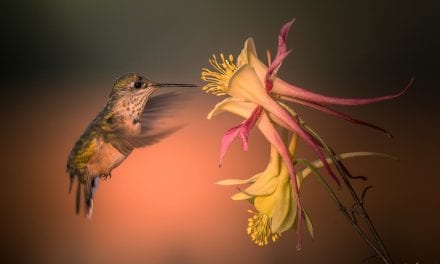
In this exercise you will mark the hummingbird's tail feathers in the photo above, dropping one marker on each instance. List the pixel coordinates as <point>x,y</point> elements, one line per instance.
<point>90,187</point>
<point>78,197</point>
<point>89,209</point>
<point>72,179</point>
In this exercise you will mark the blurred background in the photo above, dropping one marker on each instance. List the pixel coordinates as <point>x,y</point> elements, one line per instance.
<point>60,59</point>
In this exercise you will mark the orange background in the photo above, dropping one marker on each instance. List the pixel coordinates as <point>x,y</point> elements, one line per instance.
<point>161,205</point>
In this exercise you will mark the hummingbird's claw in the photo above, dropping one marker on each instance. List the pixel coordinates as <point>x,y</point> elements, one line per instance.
<point>106,176</point>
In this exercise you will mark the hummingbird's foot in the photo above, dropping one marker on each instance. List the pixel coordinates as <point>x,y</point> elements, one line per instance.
<point>106,176</point>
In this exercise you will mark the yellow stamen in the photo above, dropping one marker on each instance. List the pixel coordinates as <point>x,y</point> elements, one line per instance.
<point>218,80</point>
<point>259,229</point>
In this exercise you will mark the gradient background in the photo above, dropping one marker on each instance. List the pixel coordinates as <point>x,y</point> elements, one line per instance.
<point>60,59</point>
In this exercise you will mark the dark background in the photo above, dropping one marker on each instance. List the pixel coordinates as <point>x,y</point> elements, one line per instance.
<point>60,59</point>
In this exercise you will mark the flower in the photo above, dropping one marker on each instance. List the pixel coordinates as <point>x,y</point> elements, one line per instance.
<point>250,80</point>
<point>271,194</point>
<point>269,131</point>
<point>257,94</point>
<point>236,87</point>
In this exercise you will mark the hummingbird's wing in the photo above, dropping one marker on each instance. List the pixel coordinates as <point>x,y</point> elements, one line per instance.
<point>126,144</point>
<point>159,119</point>
<point>161,111</point>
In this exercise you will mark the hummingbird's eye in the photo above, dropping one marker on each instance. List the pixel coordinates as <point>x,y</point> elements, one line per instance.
<point>138,84</point>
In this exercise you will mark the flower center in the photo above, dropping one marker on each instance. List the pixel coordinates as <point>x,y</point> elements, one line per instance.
<point>259,229</point>
<point>218,80</point>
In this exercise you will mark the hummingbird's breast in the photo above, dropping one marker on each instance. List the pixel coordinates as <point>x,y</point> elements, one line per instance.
<point>93,155</point>
<point>105,159</point>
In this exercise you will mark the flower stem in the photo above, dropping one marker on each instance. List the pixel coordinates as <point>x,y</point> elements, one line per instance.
<point>383,253</point>
<point>344,210</point>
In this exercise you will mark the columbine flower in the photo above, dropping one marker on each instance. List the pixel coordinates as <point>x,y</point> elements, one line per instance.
<point>271,194</point>
<point>255,93</point>
<point>250,80</point>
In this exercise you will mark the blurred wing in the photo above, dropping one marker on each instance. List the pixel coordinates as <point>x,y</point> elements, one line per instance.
<point>161,117</point>
<point>163,107</point>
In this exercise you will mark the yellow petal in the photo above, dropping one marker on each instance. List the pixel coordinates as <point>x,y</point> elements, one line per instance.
<point>265,204</point>
<point>282,206</point>
<point>249,56</point>
<point>241,196</point>
<point>274,165</point>
<point>246,85</point>
<point>291,216</point>
<point>264,185</point>
<point>247,51</point>
<point>228,182</point>
<point>234,105</point>
<point>239,181</point>
<point>292,144</point>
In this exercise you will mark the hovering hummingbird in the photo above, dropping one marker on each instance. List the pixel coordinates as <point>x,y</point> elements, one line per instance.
<point>130,119</point>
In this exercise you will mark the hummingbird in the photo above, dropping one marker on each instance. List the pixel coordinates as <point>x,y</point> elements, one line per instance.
<point>131,118</point>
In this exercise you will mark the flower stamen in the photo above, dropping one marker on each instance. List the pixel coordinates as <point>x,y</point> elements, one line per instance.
<point>218,80</point>
<point>259,229</point>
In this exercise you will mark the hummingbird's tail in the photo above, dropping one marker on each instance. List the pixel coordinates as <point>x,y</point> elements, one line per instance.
<point>89,186</point>
<point>78,197</point>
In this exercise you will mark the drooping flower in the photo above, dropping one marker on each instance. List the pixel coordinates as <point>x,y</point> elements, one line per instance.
<point>271,193</point>
<point>269,131</point>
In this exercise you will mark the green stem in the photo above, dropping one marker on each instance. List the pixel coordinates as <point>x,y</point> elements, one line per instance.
<point>383,253</point>
<point>344,210</point>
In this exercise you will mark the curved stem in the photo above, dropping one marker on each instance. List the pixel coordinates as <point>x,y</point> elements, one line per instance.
<point>345,212</point>
<point>384,255</point>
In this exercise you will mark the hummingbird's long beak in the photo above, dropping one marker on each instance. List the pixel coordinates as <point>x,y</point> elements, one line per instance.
<point>173,85</point>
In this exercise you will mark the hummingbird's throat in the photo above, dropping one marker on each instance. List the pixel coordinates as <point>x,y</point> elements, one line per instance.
<point>131,108</point>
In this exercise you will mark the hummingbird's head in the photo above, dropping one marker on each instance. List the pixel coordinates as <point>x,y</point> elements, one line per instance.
<point>132,84</point>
